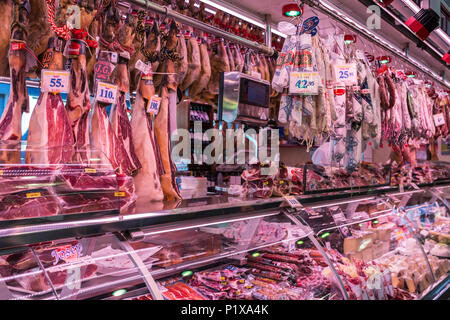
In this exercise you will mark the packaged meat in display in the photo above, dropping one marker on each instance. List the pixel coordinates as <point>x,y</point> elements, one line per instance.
<point>51,189</point>
<point>175,250</point>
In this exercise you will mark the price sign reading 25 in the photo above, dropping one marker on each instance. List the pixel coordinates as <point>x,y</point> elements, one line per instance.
<point>346,73</point>
<point>55,81</point>
<point>306,83</point>
<point>106,92</point>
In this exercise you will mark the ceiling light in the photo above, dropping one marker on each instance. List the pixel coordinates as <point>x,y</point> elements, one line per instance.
<point>384,59</point>
<point>384,3</point>
<point>423,23</point>
<point>292,10</point>
<point>349,39</point>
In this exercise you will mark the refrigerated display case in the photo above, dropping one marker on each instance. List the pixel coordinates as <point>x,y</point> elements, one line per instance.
<point>377,245</point>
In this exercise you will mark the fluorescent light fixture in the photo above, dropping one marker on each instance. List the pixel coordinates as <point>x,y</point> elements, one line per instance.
<point>234,13</point>
<point>443,35</point>
<point>210,11</point>
<point>281,34</point>
<point>411,5</point>
<point>241,16</point>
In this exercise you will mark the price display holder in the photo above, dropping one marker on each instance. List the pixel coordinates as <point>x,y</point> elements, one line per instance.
<point>305,83</point>
<point>346,73</point>
<point>153,105</point>
<point>55,81</point>
<point>293,202</point>
<point>439,119</point>
<point>106,93</point>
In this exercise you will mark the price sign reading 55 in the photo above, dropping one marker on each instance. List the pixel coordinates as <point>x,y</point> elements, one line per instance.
<point>55,81</point>
<point>106,92</point>
<point>306,83</point>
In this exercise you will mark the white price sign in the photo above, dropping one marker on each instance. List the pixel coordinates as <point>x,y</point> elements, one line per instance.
<point>439,119</point>
<point>346,73</point>
<point>143,67</point>
<point>106,92</point>
<point>293,202</point>
<point>153,105</point>
<point>304,83</point>
<point>55,81</point>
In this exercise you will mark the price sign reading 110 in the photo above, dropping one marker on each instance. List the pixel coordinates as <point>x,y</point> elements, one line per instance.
<point>106,92</point>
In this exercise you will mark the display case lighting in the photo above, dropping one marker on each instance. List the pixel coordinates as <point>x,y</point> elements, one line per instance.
<point>119,292</point>
<point>187,273</point>
<point>326,234</point>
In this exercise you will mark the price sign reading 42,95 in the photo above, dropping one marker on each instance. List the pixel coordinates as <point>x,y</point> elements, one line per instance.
<point>55,81</point>
<point>106,92</point>
<point>306,83</point>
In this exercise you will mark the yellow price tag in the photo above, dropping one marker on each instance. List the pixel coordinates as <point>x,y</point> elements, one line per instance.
<point>33,195</point>
<point>90,170</point>
<point>1,172</point>
<point>119,194</point>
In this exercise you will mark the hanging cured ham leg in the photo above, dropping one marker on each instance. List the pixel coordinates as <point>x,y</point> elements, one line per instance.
<point>50,138</point>
<point>162,122</point>
<point>200,84</point>
<point>102,133</point>
<point>10,122</point>
<point>119,114</point>
<point>147,181</point>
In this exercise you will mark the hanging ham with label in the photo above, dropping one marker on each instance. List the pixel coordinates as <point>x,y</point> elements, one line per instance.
<point>194,63</point>
<point>181,66</point>
<point>219,63</point>
<point>5,34</point>
<point>147,180</point>
<point>205,74</point>
<point>10,122</point>
<point>50,137</point>
<point>78,103</point>
<point>162,122</point>
<point>102,134</point>
<point>121,77</point>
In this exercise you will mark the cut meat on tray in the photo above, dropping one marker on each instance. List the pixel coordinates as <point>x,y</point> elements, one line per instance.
<point>31,204</point>
<point>181,291</point>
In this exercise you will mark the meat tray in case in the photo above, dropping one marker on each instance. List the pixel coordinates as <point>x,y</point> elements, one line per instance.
<point>34,192</point>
